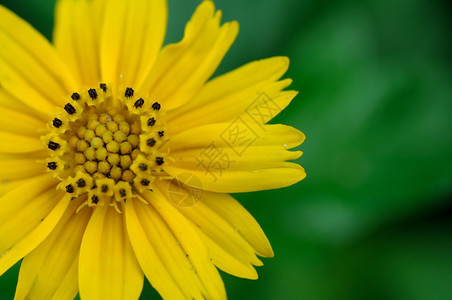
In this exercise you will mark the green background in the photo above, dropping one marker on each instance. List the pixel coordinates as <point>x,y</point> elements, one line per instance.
<point>372,220</point>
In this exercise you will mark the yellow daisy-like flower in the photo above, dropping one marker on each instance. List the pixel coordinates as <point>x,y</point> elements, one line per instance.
<point>117,154</point>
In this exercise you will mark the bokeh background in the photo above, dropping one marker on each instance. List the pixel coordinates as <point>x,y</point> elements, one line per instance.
<point>373,219</point>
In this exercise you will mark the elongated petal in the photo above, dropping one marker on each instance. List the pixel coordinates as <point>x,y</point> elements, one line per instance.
<point>16,143</point>
<point>252,89</point>
<point>77,34</point>
<point>229,249</point>
<point>30,69</point>
<point>18,206</point>
<point>108,268</point>
<point>37,155</point>
<point>235,134</point>
<point>13,169</point>
<point>17,168</point>
<point>50,271</point>
<point>183,68</point>
<point>220,231</point>
<point>240,219</point>
<point>226,261</point>
<point>16,122</point>
<point>7,186</point>
<point>191,243</point>
<point>132,35</point>
<point>277,176</point>
<point>162,259</point>
<point>16,84</point>
<point>28,215</point>
<point>8,101</point>
<point>238,157</point>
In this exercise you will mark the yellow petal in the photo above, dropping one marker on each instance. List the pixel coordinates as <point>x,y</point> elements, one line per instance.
<point>30,69</point>
<point>237,92</point>
<point>77,34</point>
<point>108,268</point>
<point>17,168</point>
<point>220,231</point>
<point>183,68</point>
<point>36,155</point>
<point>16,122</point>
<point>29,213</point>
<point>226,261</point>
<point>191,243</point>
<point>27,205</point>
<point>7,186</point>
<point>162,259</point>
<point>227,248</point>
<point>239,218</point>
<point>237,135</point>
<point>132,35</point>
<point>16,143</point>
<point>28,94</point>
<point>7,100</point>
<point>50,271</point>
<point>238,157</point>
<point>277,176</point>
<point>13,169</point>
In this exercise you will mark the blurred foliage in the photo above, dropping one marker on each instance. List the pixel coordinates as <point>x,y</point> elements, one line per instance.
<point>373,218</point>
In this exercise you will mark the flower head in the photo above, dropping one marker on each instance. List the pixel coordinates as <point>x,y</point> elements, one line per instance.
<point>117,154</point>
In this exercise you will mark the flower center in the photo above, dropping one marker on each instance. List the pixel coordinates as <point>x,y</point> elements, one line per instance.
<point>107,149</point>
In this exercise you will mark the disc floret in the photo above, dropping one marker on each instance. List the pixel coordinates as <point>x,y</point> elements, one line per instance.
<point>107,149</point>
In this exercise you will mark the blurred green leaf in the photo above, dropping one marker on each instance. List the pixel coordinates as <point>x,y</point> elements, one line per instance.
<point>38,13</point>
<point>378,128</point>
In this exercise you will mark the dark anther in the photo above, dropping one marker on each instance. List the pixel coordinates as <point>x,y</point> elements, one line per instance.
<point>151,122</point>
<point>122,192</point>
<point>161,133</point>
<point>159,161</point>
<point>95,199</point>
<point>150,142</point>
<point>139,103</point>
<point>52,165</point>
<point>156,106</point>
<point>53,146</point>
<point>145,182</point>
<point>81,183</point>
<point>57,122</point>
<point>75,96</point>
<point>69,188</point>
<point>70,109</point>
<point>103,86</point>
<point>129,92</point>
<point>92,93</point>
<point>143,167</point>
<point>104,188</point>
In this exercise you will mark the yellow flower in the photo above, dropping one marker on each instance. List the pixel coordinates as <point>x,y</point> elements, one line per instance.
<point>117,154</point>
